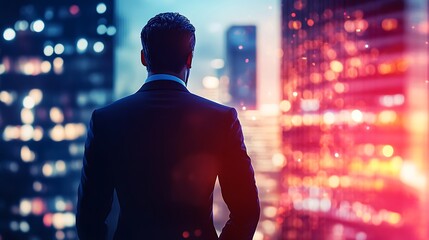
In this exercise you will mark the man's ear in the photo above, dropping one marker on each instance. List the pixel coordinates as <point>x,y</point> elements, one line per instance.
<point>142,58</point>
<point>189,59</point>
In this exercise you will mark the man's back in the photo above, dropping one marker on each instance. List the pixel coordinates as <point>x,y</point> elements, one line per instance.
<point>162,149</point>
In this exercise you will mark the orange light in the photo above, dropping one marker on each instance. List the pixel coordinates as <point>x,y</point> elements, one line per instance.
<point>355,62</point>
<point>331,54</point>
<point>296,120</point>
<point>369,149</point>
<point>339,87</point>
<point>379,184</point>
<point>366,217</point>
<point>329,118</point>
<point>345,181</point>
<point>387,151</point>
<point>385,68</point>
<point>389,24</point>
<point>47,170</point>
<point>296,25</point>
<point>45,66</point>
<point>330,75</point>
<point>396,164</point>
<point>315,77</point>
<point>350,47</point>
<point>279,160</point>
<point>402,65</point>
<point>27,116</point>
<point>394,218</point>
<point>285,106</point>
<point>57,133</point>
<point>334,181</point>
<point>307,94</point>
<point>387,116</point>
<point>352,72</point>
<point>349,26</point>
<point>361,25</point>
<point>336,66</point>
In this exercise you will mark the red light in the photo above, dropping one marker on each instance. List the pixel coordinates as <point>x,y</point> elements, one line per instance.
<point>185,234</point>
<point>47,219</point>
<point>38,206</point>
<point>74,9</point>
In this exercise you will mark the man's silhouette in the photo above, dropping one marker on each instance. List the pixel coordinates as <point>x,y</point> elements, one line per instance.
<point>161,149</point>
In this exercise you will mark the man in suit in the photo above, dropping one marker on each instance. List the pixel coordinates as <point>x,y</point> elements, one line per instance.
<point>162,149</point>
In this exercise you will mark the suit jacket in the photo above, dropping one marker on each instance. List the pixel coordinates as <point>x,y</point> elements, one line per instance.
<point>161,149</point>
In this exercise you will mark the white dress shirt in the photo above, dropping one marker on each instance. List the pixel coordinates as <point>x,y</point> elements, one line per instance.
<point>168,77</point>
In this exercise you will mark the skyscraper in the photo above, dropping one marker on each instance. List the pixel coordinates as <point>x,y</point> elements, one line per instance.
<point>56,66</point>
<point>241,65</point>
<point>346,104</point>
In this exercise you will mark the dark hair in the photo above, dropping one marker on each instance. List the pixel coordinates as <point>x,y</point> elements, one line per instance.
<point>167,40</point>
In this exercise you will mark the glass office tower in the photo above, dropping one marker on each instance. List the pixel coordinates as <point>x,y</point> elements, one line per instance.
<point>56,66</point>
<point>241,65</point>
<point>349,94</point>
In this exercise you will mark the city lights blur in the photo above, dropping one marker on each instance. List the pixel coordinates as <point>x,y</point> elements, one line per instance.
<point>37,26</point>
<point>9,34</point>
<point>98,47</point>
<point>45,71</point>
<point>21,25</point>
<point>347,91</point>
<point>59,48</point>
<point>82,44</point>
<point>48,50</point>
<point>101,8</point>
<point>332,97</point>
<point>111,30</point>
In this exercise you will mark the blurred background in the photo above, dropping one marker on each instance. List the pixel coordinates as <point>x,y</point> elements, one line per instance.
<point>332,96</point>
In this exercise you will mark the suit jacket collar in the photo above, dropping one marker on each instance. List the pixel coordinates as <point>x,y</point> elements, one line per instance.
<point>162,85</point>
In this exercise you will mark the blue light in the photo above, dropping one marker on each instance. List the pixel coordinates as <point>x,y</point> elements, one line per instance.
<point>101,29</point>
<point>111,31</point>
<point>37,26</point>
<point>81,45</point>
<point>101,8</point>
<point>9,34</point>
<point>98,47</point>
<point>21,25</point>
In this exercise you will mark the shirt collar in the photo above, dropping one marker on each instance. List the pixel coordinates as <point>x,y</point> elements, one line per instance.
<point>169,77</point>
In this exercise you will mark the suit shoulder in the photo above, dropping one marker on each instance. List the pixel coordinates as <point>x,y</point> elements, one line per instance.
<point>119,103</point>
<point>214,106</point>
<point>114,106</point>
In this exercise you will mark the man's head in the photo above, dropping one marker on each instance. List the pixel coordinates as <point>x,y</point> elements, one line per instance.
<point>168,41</point>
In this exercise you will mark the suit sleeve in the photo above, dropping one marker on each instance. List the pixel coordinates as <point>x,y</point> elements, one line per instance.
<point>237,181</point>
<point>95,192</point>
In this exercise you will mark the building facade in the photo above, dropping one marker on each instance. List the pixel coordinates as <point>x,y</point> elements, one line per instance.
<point>241,65</point>
<point>56,66</point>
<point>345,114</point>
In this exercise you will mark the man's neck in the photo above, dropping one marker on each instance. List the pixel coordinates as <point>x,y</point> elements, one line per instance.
<point>180,75</point>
